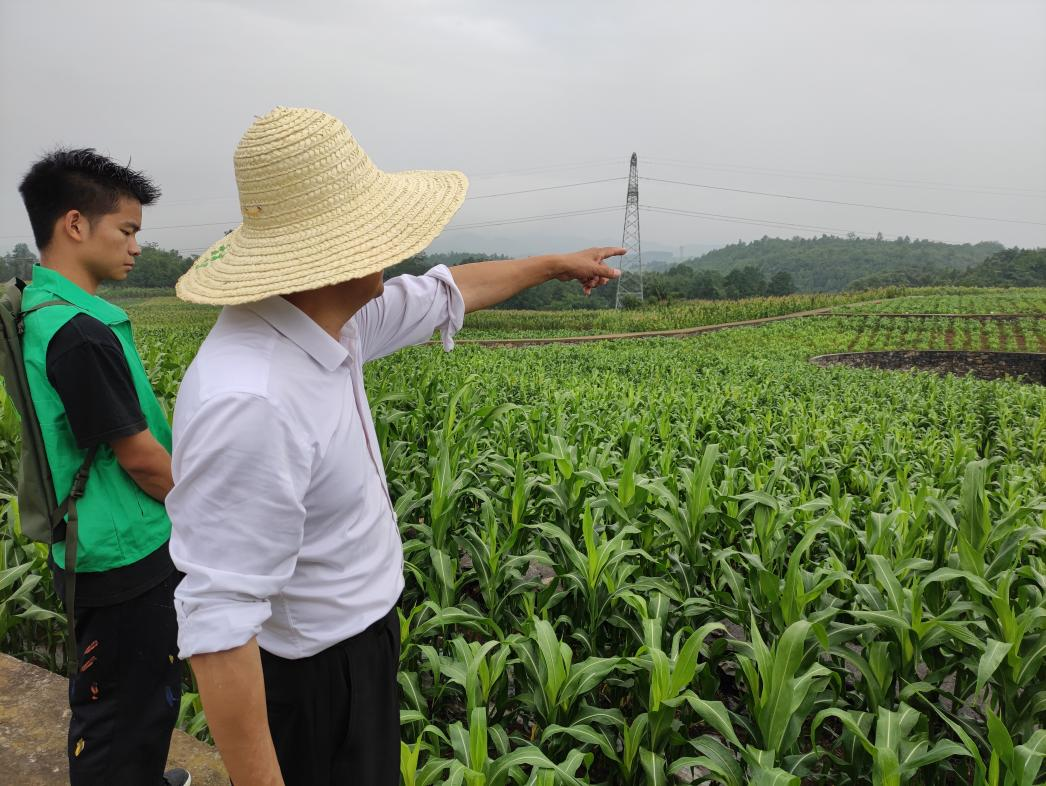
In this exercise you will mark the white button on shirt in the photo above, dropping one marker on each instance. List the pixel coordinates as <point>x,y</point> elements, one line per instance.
<point>282,521</point>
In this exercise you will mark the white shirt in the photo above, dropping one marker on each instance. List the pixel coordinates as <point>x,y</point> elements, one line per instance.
<point>282,521</point>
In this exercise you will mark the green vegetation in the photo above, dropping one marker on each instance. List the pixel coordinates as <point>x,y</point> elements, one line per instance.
<point>642,560</point>
<point>157,317</point>
<point>155,268</point>
<point>498,323</point>
<point>771,267</point>
<point>958,301</point>
<point>1018,335</point>
<point>1013,267</point>
<point>828,263</point>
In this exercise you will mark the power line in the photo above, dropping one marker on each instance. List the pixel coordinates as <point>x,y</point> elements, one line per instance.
<point>547,168</point>
<point>881,181</point>
<point>526,219</point>
<point>846,204</point>
<point>676,211</point>
<point>482,176</point>
<point>613,208</point>
<point>751,221</point>
<point>492,222</point>
<point>652,208</point>
<point>546,188</point>
<point>167,226</point>
<point>481,196</point>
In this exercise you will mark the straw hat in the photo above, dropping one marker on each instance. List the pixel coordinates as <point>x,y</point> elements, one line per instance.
<point>316,211</point>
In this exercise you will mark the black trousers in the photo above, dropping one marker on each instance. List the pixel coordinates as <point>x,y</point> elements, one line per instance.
<point>125,695</point>
<point>334,717</point>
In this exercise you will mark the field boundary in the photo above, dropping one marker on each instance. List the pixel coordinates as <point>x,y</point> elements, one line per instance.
<point>982,317</point>
<point>674,333</point>
<point>827,311</point>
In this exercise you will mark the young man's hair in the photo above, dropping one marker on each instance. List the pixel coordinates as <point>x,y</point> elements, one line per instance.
<point>79,179</point>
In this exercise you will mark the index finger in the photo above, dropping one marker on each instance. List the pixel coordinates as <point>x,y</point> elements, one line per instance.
<point>611,251</point>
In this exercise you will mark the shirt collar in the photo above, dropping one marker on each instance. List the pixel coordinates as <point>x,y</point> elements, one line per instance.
<point>62,288</point>
<point>296,325</point>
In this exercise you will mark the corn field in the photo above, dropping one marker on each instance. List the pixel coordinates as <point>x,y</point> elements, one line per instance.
<point>705,561</point>
<point>944,300</point>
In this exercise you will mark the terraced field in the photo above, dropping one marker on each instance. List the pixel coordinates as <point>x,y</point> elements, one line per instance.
<point>1025,334</point>
<point>968,301</point>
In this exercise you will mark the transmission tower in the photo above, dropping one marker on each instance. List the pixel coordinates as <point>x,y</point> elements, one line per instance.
<point>630,284</point>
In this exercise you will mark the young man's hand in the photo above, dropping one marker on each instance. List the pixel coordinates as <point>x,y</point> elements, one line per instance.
<point>588,267</point>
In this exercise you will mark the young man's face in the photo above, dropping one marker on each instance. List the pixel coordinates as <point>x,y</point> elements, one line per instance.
<point>109,247</point>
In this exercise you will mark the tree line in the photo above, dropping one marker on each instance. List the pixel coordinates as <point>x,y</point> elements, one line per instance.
<point>770,266</point>
<point>831,264</point>
<point>156,268</point>
<point>1011,267</point>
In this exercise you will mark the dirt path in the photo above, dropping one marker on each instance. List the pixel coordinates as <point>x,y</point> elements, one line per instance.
<point>829,311</point>
<point>940,316</point>
<point>34,718</point>
<point>677,333</point>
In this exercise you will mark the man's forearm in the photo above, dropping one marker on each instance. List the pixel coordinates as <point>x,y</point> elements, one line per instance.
<point>157,483</point>
<point>485,284</point>
<point>233,692</point>
<point>147,462</point>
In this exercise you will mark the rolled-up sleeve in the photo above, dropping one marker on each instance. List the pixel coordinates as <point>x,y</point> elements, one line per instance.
<point>237,513</point>
<point>410,310</point>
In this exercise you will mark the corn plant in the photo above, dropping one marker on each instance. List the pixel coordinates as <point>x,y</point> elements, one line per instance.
<point>704,561</point>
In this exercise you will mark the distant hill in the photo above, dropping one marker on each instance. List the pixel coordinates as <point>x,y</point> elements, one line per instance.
<point>1013,267</point>
<point>831,264</point>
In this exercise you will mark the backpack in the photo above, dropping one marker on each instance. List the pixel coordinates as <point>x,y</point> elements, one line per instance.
<point>41,516</point>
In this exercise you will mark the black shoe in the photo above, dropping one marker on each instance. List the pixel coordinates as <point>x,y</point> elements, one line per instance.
<point>177,777</point>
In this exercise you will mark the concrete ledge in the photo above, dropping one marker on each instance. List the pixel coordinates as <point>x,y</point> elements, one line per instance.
<point>34,719</point>
<point>1023,366</point>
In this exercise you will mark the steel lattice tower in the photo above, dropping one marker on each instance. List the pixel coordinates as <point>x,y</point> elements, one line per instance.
<point>630,284</point>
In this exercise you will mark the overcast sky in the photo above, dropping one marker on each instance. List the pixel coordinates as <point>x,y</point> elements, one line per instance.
<point>933,106</point>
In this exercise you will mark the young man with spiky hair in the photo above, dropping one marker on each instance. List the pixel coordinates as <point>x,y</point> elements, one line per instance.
<point>91,391</point>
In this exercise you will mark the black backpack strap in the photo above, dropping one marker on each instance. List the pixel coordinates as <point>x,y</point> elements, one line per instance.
<point>71,531</point>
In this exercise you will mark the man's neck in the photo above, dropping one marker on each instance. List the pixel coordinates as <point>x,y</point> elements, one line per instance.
<point>330,307</point>
<point>75,273</point>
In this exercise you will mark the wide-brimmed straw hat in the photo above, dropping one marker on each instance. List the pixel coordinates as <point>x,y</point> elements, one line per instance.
<point>316,211</point>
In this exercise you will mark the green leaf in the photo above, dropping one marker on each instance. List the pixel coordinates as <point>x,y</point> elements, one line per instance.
<point>478,739</point>
<point>654,767</point>
<point>686,661</point>
<point>715,714</point>
<point>994,653</point>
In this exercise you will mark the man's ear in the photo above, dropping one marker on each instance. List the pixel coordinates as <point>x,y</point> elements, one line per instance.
<point>75,226</point>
